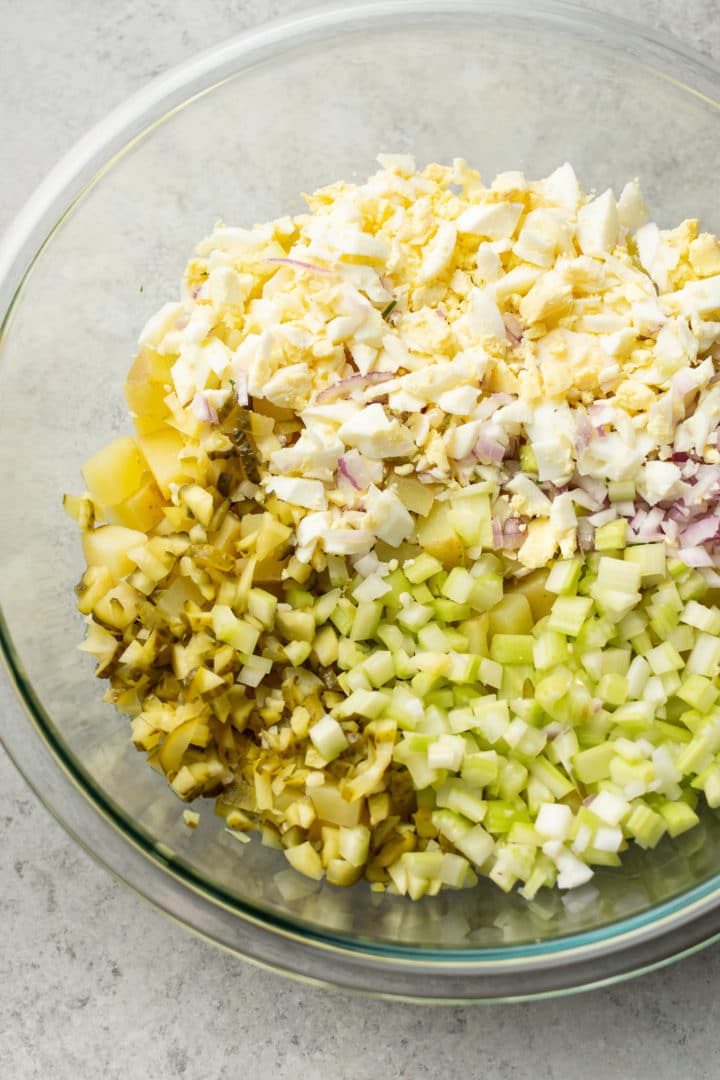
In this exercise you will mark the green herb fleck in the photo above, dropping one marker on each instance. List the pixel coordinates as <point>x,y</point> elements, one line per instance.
<point>388,309</point>
<point>142,288</point>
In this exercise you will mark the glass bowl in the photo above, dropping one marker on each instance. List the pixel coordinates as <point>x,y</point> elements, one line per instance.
<point>238,133</point>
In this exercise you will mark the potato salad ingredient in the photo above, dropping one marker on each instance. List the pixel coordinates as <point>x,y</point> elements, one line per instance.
<point>411,563</point>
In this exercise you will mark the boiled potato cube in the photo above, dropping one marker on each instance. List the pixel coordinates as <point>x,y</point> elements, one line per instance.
<point>143,510</point>
<point>162,450</point>
<point>437,536</point>
<point>115,472</point>
<point>109,545</point>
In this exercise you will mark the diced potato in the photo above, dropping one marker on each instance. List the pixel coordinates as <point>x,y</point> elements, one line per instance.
<point>143,510</point>
<point>512,615</point>
<point>109,546</point>
<point>162,451</point>
<point>115,472</point>
<point>533,588</point>
<point>147,384</point>
<point>437,536</point>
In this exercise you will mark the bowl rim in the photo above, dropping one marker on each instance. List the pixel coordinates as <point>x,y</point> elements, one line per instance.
<point>613,951</point>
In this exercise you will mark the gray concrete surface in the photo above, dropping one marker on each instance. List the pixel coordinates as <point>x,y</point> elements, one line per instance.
<point>93,983</point>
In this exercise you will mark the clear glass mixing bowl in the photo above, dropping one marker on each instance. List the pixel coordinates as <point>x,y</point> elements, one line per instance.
<point>238,133</point>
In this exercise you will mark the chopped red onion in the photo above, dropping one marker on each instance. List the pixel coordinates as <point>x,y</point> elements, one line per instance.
<point>241,387</point>
<point>671,529</point>
<point>596,489</point>
<point>353,382</point>
<point>683,382</point>
<point>695,556</point>
<point>203,410</point>
<point>486,449</point>
<point>497,533</point>
<point>301,265</point>
<point>705,528</point>
<point>601,413</point>
<point>514,329</point>
<point>585,534</point>
<point>603,517</point>
<point>583,431</point>
<point>646,524</point>
<point>348,474</point>
<point>514,533</point>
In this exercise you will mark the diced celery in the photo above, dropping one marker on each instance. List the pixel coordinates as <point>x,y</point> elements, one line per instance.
<point>369,704</point>
<point>457,795</point>
<point>366,621</point>
<point>432,638</point>
<point>446,752</point>
<point>635,774</point>
<point>549,649</point>
<point>422,594</point>
<point>568,614</point>
<point>337,570</point>
<point>645,826</point>
<point>413,616</point>
<point>613,602</point>
<point>458,585</point>
<point>492,718</point>
<point>551,777</point>
<point>512,649</point>
<point>350,654</point>
<point>682,638</point>
<point>613,689</point>
<point>443,698</point>
<point>618,575</point>
<point>449,611</point>
<point>701,617</point>
<point>554,686</point>
<point>664,658</point>
<point>512,780</point>
<point>711,786</point>
<point>451,825</point>
<point>621,491</point>
<point>650,558</point>
<point>634,715</point>
<point>480,768</point>
<point>325,605</point>
<point>705,656</point>
<point>379,667</point>
<point>698,692</point>
<point>564,576</point>
<point>592,765</point>
<point>501,814</point>
<point>297,652</point>
<point>422,567</point>
<point>328,738</point>
<point>343,616</point>
<point>462,668</point>
<point>612,535</point>
<point>490,673</point>
<point>678,817</point>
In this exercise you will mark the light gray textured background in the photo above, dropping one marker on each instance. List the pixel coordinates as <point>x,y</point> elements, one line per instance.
<point>93,983</point>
